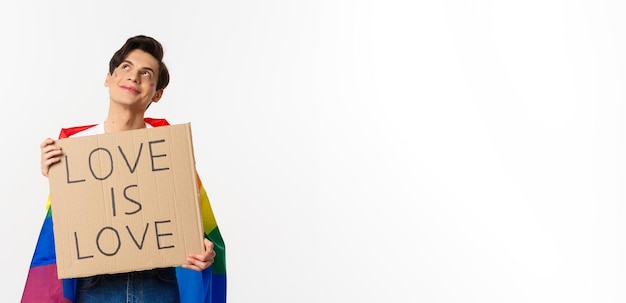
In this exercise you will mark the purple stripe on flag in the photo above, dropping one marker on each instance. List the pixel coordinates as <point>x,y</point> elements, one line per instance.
<point>43,285</point>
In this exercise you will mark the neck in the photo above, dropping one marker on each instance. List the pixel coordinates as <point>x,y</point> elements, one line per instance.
<point>122,123</point>
<point>123,118</point>
<point>111,125</point>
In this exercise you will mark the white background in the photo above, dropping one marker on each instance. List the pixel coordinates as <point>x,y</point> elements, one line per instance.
<point>357,151</point>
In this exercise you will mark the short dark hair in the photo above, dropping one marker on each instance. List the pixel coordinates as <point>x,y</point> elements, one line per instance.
<point>148,45</point>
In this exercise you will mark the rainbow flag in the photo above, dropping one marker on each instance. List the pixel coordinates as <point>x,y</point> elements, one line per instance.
<point>208,286</point>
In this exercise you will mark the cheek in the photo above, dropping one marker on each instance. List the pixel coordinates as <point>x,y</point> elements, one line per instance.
<point>151,84</point>
<point>115,75</point>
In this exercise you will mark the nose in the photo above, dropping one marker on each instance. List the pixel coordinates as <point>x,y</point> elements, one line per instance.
<point>134,77</point>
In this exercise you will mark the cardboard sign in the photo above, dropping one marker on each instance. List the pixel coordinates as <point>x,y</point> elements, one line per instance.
<point>125,201</point>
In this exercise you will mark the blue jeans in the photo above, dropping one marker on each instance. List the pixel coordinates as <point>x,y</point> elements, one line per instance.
<point>154,286</point>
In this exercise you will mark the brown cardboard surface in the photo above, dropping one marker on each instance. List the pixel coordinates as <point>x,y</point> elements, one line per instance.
<point>125,201</point>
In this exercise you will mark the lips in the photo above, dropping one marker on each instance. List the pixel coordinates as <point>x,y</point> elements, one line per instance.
<point>130,89</point>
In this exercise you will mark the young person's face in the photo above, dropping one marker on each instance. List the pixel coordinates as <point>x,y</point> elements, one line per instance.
<point>133,82</point>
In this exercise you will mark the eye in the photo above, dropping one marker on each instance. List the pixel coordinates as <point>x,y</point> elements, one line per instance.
<point>125,67</point>
<point>146,74</point>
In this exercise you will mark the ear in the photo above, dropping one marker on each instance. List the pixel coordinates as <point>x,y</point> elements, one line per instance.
<point>157,95</point>
<point>107,80</point>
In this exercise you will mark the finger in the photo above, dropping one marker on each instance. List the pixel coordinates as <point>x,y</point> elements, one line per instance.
<point>202,257</point>
<point>192,267</point>
<point>52,154</point>
<point>198,265</point>
<point>45,156</point>
<point>51,161</point>
<point>50,148</point>
<point>208,245</point>
<point>208,251</point>
<point>45,166</point>
<point>48,158</point>
<point>208,254</point>
<point>199,262</point>
<point>48,145</point>
<point>46,142</point>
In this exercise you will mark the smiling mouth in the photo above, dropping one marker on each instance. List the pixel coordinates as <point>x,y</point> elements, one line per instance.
<point>130,89</point>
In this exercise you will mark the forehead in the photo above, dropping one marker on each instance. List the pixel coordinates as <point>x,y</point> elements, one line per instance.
<point>142,59</point>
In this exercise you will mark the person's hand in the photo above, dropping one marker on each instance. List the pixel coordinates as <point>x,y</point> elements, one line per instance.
<point>50,154</point>
<point>200,262</point>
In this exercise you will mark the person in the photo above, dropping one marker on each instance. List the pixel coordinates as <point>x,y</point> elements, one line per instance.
<point>137,78</point>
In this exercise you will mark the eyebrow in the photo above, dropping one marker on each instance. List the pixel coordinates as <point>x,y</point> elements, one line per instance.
<point>133,64</point>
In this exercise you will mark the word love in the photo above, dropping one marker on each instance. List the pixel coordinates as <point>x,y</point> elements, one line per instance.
<point>107,165</point>
<point>112,247</point>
